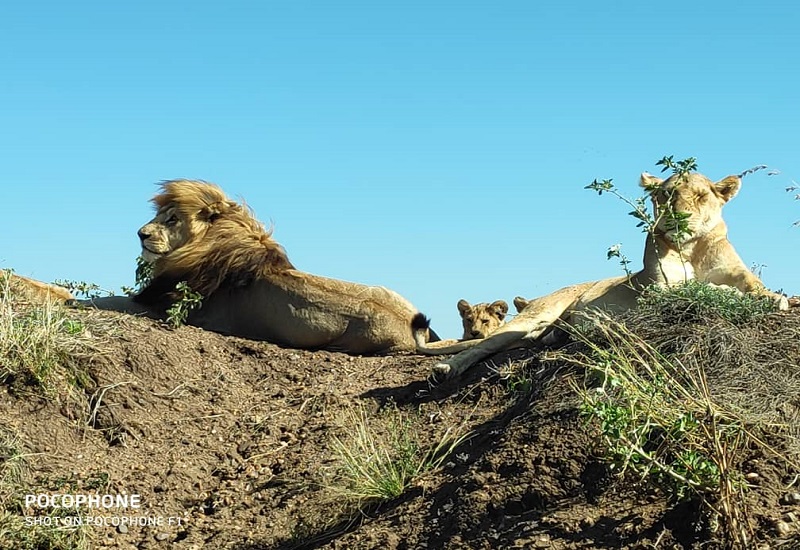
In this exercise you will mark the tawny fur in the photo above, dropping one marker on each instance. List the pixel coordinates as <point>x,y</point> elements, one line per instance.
<point>34,291</point>
<point>249,286</point>
<point>706,254</point>
<point>480,320</point>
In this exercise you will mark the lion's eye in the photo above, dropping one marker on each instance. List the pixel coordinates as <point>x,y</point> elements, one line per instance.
<point>172,220</point>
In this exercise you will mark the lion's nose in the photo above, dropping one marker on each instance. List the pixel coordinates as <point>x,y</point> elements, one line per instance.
<point>476,334</point>
<point>143,234</point>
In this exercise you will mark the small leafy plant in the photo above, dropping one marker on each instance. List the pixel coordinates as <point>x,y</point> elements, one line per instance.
<point>674,221</point>
<point>695,300</point>
<point>189,300</point>
<point>680,167</point>
<point>82,289</point>
<point>791,189</point>
<point>657,421</point>
<point>615,251</point>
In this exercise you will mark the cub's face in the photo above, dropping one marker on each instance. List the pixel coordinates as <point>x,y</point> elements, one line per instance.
<point>482,319</point>
<point>166,232</point>
<point>692,194</point>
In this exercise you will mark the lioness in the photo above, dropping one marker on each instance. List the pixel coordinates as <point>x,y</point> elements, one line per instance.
<point>705,254</point>
<point>30,289</point>
<point>249,286</point>
<point>520,303</point>
<point>482,319</point>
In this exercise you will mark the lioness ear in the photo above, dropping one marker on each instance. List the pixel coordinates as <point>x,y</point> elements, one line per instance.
<point>463,306</point>
<point>728,187</point>
<point>649,181</point>
<point>499,308</point>
<point>520,303</point>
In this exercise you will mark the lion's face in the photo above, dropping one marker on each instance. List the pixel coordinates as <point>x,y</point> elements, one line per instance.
<point>692,194</point>
<point>166,232</point>
<point>481,320</point>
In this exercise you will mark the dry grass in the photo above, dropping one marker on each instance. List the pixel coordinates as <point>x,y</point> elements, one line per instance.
<point>684,388</point>
<point>17,529</point>
<point>17,534</point>
<point>380,464</point>
<point>751,357</point>
<point>43,347</point>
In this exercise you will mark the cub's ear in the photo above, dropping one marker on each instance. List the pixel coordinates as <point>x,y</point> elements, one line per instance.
<point>499,309</point>
<point>520,303</point>
<point>649,181</point>
<point>463,306</point>
<point>728,187</point>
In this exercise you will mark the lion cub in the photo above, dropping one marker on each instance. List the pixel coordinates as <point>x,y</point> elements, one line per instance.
<point>481,319</point>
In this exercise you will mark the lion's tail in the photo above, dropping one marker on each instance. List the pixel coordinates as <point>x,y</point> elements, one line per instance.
<point>421,327</point>
<point>428,342</point>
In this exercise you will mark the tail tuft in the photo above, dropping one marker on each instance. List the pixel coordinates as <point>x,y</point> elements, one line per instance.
<point>420,322</point>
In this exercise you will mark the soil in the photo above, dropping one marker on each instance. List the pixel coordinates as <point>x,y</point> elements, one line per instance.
<point>234,439</point>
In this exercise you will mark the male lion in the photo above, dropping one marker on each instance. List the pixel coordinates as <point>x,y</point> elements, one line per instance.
<point>705,254</point>
<point>249,286</point>
<point>480,320</point>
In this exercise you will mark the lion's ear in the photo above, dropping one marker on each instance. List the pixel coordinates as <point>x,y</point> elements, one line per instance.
<point>520,303</point>
<point>649,181</point>
<point>728,187</point>
<point>215,210</point>
<point>463,306</point>
<point>499,308</point>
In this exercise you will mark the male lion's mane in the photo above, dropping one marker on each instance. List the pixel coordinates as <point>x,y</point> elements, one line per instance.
<point>228,246</point>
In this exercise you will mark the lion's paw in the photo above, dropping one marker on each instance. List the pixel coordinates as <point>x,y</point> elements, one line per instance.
<point>441,369</point>
<point>781,301</point>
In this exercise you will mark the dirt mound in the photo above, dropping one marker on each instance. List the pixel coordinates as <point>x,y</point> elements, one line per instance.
<point>230,442</point>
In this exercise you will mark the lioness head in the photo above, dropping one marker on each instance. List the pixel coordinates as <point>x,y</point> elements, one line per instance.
<point>692,194</point>
<point>481,320</point>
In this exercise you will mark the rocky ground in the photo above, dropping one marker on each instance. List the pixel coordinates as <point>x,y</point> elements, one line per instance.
<point>232,443</point>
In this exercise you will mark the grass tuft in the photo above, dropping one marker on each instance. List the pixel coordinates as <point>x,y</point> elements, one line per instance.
<point>380,465</point>
<point>41,345</point>
<point>696,301</point>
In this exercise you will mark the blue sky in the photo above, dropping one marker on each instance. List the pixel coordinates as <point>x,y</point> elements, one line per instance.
<point>436,148</point>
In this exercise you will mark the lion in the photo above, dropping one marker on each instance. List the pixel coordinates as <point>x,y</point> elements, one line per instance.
<point>35,291</point>
<point>520,303</point>
<point>670,258</point>
<point>480,320</point>
<point>249,286</point>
